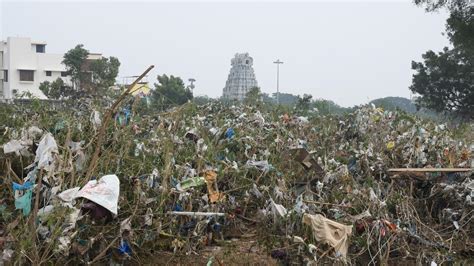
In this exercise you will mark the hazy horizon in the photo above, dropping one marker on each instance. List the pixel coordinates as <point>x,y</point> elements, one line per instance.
<point>347,52</point>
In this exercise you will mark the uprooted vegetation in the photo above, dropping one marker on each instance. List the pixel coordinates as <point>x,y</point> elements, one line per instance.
<point>305,189</point>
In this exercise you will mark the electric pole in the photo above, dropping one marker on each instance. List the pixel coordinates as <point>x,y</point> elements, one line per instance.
<point>278,63</point>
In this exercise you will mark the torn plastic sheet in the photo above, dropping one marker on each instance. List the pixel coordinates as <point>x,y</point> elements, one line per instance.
<point>45,211</point>
<point>104,192</point>
<point>64,244</point>
<point>95,119</point>
<point>25,186</point>
<point>260,165</point>
<point>229,133</point>
<point>278,209</point>
<point>330,232</point>
<point>7,254</point>
<point>45,152</point>
<point>124,248</point>
<point>365,214</point>
<point>149,217</point>
<point>213,131</point>
<point>69,194</point>
<point>24,202</point>
<point>126,226</point>
<point>191,182</point>
<point>13,146</point>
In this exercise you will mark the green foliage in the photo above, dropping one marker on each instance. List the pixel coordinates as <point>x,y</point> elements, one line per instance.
<point>445,82</point>
<point>445,79</point>
<point>304,103</point>
<point>435,5</point>
<point>202,100</point>
<point>286,98</point>
<point>395,103</point>
<point>105,71</point>
<point>326,107</point>
<point>56,89</point>
<point>253,96</point>
<point>74,60</point>
<point>170,91</point>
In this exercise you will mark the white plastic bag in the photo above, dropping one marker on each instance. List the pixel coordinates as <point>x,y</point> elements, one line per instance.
<point>45,152</point>
<point>104,192</point>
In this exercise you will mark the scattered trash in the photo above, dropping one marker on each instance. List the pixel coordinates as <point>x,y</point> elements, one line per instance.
<point>24,202</point>
<point>47,148</point>
<point>330,232</point>
<point>104,192</point>
<point>229,133</point>
<point>190,179</point>
<point>191,182</point>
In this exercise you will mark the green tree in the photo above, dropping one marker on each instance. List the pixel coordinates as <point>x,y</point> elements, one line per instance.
<point>304,103</point>
<point>253,96</point>
<point>286,98</point>
<point>74,61</point>
<point>104,71</point>
<point>202,100</point>
<point>445,80</point>
<point>326,107</point>
<point>170,91</point>
<point>56,89</point>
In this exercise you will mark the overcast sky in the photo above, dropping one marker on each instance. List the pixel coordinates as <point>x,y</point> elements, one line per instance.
<point>348,52</point>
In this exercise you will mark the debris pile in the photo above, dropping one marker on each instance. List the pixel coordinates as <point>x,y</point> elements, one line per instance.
<point>304,189</point>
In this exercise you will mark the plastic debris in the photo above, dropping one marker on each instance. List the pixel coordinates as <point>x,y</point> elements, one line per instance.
<point>191,182</point>
<point>13,146</point>
<point>104,192</point>
<point>184,182</point>
<point>24,202</point>
<point>47,148</point>
<point>229,133</point>
<point>330,232</point>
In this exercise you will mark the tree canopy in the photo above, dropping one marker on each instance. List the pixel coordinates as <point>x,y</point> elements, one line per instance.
<point>445,80</point>
<point>56,89</point>
<point>304,103</point>
<point>169,91</point>
<point>74,60</point>
<point>104,71</point>
<point>253,96</point>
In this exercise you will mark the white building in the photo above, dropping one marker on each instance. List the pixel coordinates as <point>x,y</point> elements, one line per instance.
<point>25,65</point>
<point>241,77</point>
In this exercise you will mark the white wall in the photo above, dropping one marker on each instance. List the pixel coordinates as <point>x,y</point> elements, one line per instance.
<point>21,55</point>
<point>1,69</point>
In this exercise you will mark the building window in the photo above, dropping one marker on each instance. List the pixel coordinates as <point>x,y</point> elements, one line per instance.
<point>40,48</point>
<point>48,73</point>
<point>27,75</point>
<point>63,74</point>
<point>5,74</point>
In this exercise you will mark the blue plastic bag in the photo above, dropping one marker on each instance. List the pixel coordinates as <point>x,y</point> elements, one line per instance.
<point>229,133</point>
<point>125,248</point>
<point>25,186</point>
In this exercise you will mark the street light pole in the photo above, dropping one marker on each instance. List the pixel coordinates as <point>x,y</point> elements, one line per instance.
<point>278,63</point>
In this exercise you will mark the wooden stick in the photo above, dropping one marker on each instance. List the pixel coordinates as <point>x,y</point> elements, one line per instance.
<point>107,118</point>
<point>430,170</point>
<point>103,252</point>
<point>37,198</point>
